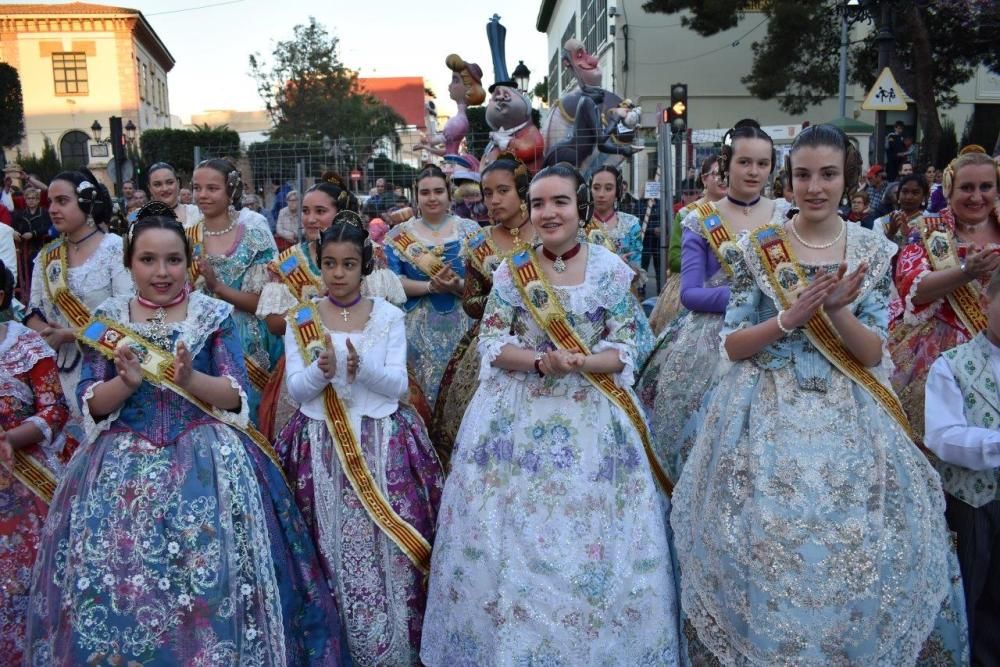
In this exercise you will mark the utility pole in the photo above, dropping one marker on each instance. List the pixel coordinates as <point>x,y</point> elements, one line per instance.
<point>886,45</point>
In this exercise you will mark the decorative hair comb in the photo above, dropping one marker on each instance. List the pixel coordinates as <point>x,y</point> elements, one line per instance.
<point>157,209</point>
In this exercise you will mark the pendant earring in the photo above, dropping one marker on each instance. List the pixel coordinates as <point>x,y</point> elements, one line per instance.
<point>524,208</point>
<point>90,221</point>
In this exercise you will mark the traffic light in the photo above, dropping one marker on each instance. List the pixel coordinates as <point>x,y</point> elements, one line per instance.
<point>677,112</point>
<point>117,139</point>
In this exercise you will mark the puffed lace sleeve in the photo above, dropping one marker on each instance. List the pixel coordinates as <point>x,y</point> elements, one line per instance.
<point>265,251</point>
<point>51,410</point>
<point>227,361</point>
<point>621,325</point>
<point>121,278</point>
<point>95,369</point>
<point>275,299</point>
<point>912,267</point>
<point>497,328</point>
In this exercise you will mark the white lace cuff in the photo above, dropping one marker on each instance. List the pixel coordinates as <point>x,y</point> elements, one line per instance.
<point>386,284</point>
<point>489,350</point>
<point>723,335</point>
<point>909,315</point>
<point>91,427</point>
<point>626,354</point>
<point>275,299</point>
<point>239,419</point>
<point>44,427</point>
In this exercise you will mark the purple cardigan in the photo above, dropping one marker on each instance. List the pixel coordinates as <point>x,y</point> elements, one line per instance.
<point>698,264</point>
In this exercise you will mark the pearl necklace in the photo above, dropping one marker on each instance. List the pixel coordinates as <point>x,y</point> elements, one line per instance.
<point>221,232</point>
<point>820,246</point>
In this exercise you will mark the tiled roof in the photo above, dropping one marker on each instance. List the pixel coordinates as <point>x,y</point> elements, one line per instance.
<point>66,8</point>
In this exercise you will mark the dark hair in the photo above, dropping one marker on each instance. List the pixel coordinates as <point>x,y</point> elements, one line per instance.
<point>431,171</point>
<point>584,201</point>
<point>161,165</point>
<point>334,187</point>
<point>619,188</point>
<point>915,178</point>
<point>7,285</point>
<point>93,198</point>
<point>230,176</point>
<point>706,166</point>
<point>747,128</point>
<point>508,162</point>
<point>154,215</point>
<point>825,134</point>
<point>348,227</point>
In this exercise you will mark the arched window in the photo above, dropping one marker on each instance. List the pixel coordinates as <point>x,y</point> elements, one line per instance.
<point>73,150</point>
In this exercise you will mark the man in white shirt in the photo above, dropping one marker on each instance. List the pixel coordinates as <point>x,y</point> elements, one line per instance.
<point>962,427</point>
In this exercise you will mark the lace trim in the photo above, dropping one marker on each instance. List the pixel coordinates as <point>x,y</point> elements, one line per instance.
<point>238,419</point>
<point>91,427</point>
<point>489,350</point>
<point>911,315</point>
<point>626,354</point>
<point>385,284</point>
<point>723,352</point>
<point>30,349</point>
<point>275,299</point>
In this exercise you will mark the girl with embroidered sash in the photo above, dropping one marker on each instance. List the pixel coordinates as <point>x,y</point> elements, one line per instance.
<point>505,192</point>
<point>365,474</point>
<point>911,198</point>
<point>940,276</point>
<point>231,260</point>
<point>809,527</point>
<point>668,303</point>
<point>684,365</point>
<point>178,540</point>
<point>74,273</point>
<point>426,253</point>
<point>33,412</point>
<point>164,186</point>
<point>623,230</point>
<point>963,429</point>
<point>552,545</point>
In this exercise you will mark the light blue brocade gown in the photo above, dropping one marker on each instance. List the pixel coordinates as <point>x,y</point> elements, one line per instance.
<point>173,539</point>
<point>809,528</point>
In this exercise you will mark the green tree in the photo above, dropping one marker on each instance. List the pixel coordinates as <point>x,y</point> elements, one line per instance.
<point>176,147</point>
<point>11,107</point>
<point>45,167</point>
<point>311,95</point>
<point>797,62</point>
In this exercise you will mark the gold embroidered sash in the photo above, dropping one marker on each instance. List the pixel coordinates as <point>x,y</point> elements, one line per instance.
<point>942,254</point>
<point>305,321</point>
<point>544,306</point>
<point>594,232</point>
<point>482,250</point>
<point>292,268</point>
<point>259,377</point>
<point>788,279</point>
<point>157,364</point>
<point>718,235</point>
<point>417,253</point>
<point>39,479</point>
<point>57,286</point>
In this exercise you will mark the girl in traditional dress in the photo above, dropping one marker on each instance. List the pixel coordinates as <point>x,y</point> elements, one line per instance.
<point>356,454</point>
<point>32,415</point>
<point>940,276</point>
<point>623,229</point>
<point>426,253</point>
<point>231,260</point>
<point>165,187</point>
<point>177,540</point>
<point>552,544</point>
<point>684,365</point>
<point>75,272</point>
<point>809,527</point>
<point>911,199</point>
<point>505,192</point>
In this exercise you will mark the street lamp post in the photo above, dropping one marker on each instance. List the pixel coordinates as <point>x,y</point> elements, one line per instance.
<point>522,75</point>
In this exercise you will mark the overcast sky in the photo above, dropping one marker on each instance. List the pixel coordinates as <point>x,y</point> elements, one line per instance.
<point>211,44</point>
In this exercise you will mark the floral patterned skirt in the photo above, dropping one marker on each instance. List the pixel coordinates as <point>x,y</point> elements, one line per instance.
<point>193,553</point>
<point>379,591</point>
<point>458,386</point>
<point>431,339</point>
<point>914,349</point>
<point>551,547</point>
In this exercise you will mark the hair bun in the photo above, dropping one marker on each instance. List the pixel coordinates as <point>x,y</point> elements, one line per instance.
<point>972,148</point>
<point>157,209</point>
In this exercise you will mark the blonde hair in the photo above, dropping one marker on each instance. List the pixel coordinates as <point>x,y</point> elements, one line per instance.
<point>474,93</point>
<point>968,156</point>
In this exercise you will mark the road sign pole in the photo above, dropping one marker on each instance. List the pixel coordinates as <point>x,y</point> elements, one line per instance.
<point>666,199</point>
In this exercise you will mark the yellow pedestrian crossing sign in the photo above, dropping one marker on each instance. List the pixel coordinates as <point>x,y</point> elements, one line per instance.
<point>886,94</point>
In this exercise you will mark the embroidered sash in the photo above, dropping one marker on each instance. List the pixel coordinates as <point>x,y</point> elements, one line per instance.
<point>594,232</point>
<point>718,235</point>
<point>544,306</point>
<point>484,255</point>
<point>305,321</point>
<point>417,253</point>
<point>942,254</point>
<point>39,479</point>
<point>788,279</point>
<point>57,286</point>
<point>157,364</point>
<point>259,377</point>
<point>292,267</point>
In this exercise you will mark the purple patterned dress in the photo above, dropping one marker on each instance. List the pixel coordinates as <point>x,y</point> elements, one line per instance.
<point>381,594</point>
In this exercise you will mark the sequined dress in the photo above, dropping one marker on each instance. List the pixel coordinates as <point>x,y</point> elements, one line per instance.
<point>381,594</point>
<point>172,539</point>
<point>435,323</point>
<point>29,392</point>
<point>809,528</point>
<point>551,546</point>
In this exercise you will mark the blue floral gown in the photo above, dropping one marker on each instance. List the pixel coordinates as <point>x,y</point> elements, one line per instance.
<point>809,528</point>
<point>172,539</point>
<point>435,323</point>
<point>244,268</point>
<point>551,544</point>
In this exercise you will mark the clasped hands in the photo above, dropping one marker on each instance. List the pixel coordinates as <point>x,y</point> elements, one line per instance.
<point>559,363</point>
<point>327,360</point>
<point>832,290</point>
<point>130,372</point>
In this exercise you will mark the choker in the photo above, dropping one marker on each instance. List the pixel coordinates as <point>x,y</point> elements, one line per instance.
<point>515,231</point>
<point>747,205</point>
<point>436,228</point>
<point>605,221</point>
<point>160,314</point>
<point>76,244</point>
<point>559,261</point>
<point>346,314</point>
